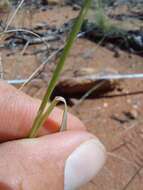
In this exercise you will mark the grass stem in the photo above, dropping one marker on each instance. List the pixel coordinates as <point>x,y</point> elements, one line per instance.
<point>76,28</point>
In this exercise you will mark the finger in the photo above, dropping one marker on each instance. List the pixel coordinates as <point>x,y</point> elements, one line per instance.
<point>19,110</point>
<point>60,161</point>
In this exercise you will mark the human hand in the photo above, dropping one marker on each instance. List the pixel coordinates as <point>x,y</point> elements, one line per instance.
<point>54,161</point>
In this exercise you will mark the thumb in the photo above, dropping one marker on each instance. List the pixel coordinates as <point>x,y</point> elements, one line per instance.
<point>60,161</point>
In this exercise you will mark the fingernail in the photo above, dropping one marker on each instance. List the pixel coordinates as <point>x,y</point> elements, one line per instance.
<point>83,164</point>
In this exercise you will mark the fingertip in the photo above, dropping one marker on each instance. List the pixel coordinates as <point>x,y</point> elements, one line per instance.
<point>82,153</point>
<point>19,110</point>
<point>84,164</point>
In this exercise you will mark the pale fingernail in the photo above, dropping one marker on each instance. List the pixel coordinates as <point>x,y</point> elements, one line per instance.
<point>83,164</point>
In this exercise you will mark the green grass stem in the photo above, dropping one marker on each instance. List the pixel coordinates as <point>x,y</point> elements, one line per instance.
<point>76,28</point>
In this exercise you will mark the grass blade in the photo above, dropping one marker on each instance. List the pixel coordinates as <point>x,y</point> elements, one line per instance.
<point>60,65</point>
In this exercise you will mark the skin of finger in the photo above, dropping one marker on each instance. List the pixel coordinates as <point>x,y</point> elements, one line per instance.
<point>19,110</point>
<point>38,163</point>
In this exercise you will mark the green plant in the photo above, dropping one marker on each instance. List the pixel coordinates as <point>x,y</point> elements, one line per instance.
<point>4,4</point>
<point>46,107</point>
<point>102,21</point>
